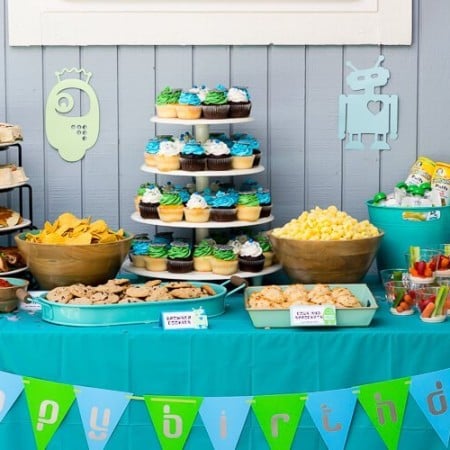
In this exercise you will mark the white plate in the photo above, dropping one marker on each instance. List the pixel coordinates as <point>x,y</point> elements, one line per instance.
<point>23,224</point>
<point>403,313</point>
<point>11,186</point>
<point>437,319</point>
<point>12,272</point>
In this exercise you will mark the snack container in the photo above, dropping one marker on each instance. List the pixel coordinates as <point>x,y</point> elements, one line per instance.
<point>345,317</point>
<point>130,313</point>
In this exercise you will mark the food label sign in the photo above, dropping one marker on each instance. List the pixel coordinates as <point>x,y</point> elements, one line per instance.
<point>196,319</point>
<point>307,315</point>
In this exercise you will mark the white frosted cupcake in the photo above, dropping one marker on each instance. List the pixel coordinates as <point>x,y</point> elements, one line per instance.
<point>168,157</point>
<point>218,156</point>
<point>196,209</point>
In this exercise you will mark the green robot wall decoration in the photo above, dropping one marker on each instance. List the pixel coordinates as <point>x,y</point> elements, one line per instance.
<point>368,113</point>
<point>69,133</point>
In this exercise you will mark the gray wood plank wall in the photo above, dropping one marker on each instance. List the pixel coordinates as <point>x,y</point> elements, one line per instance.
<point>295,91</point>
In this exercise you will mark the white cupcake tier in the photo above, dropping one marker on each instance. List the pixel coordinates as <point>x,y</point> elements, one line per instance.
<point>210,224</point>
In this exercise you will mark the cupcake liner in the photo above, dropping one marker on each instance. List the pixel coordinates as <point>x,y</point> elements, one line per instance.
<point>215,111</point>
<point>148,211</point>
<point>180,266</point>
<point>193,164</point>
<point>218,162</point>
<point>265,211</point>
<point>239,110</point>
<point>251,265</point>
<point>166,111</point>
<point>223,214</point>
<point>188,111</point>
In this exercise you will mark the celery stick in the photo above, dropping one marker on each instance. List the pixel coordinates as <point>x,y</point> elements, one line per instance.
<point>440,301</point>
<point>399,297</point>
<point>414,255</point>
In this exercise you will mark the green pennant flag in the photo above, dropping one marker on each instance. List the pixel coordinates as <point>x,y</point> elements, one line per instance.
<point>172,418</point>
<point>48,403</point>
<point>385,404</point>
<point>278,417</point>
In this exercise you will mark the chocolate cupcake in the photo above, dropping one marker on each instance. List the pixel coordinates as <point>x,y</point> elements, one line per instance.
<point>179,258</point>
<point>251,257</point>
<point>193,157</point>
<point>218,155</point>
<point>239,101</point>
<point>223,207</point>
<point>148,205</point>
<point>215,105</point>
<point>265,201</point>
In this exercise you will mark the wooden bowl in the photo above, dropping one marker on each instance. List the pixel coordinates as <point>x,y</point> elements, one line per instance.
<point>9,300</point>
<point>308,261</point>
<point>61,265</point>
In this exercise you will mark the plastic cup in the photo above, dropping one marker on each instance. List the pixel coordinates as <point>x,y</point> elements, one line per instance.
<point>443,261</point>
<point>400,297</point>
<point>427,260</point>
<point>427,295</point>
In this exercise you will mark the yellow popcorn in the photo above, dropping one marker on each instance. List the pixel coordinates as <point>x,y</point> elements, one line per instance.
<point>326,224</point>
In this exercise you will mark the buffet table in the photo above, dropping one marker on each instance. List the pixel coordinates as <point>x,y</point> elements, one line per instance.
<point>230,358</point>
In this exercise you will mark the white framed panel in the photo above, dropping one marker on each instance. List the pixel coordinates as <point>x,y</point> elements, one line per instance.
<point>209,22</point>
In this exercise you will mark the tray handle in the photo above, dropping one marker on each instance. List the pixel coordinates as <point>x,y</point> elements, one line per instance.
<point>237,281</point>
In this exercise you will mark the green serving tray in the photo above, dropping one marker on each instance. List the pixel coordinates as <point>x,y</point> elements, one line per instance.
<point>345,317</point>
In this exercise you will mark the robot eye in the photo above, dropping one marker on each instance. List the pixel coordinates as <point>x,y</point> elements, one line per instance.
<point>361,78</point>
<point>374,75</point>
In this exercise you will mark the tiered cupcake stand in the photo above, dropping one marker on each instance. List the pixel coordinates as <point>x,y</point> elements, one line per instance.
<point>201,131</point>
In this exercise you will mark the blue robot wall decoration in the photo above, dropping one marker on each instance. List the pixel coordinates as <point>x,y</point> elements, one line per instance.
<point>370,112</point>
<point>70,133</point>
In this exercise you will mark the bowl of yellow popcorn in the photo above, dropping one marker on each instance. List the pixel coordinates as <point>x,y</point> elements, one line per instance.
<point>73,250</point>
<point>326,246</point>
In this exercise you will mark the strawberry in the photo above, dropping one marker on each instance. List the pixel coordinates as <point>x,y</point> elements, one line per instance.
<point>420,266</point>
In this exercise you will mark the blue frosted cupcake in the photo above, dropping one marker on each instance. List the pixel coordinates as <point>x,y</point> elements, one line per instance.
<point>189,106</point>
<point>223,207</point>
<point>193,156</point>
<point>242,156</point>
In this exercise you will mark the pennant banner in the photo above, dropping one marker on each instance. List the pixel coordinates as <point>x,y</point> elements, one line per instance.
<point>385,404</point>
<point>48,404</point>
<point>11,386</point>
<point>431,391</point>
<point>173,418</point>
<point>278,417</point>
<point>100,411</point>
<point>332,413</point>
<point>224,419</point>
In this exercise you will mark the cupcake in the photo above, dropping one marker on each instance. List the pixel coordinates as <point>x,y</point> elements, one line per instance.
<point>138,252</point>
<point>151,150</point>
<point>248,139</point>
<point>156,260</point>
<point>224,261</point>
<point>266,246</point>
<point>251,258</point>
<point>179,257</point>
<point>223,207</point>
<point>218,155</point>
<point>202,255</point>
<point>215,105</point>
<point>239,101</point>
<point>148,206</point>
<point>170,207</point>
<point>140,192</point>
<point>193,156</point>
<point>242,156</point>
<point>196,209</point>
<point>166,102</point>
<point>168,156</point>
<point>222,137</point>
<point>248,208</point>
<point>265,201</point>
<point>189,106</point>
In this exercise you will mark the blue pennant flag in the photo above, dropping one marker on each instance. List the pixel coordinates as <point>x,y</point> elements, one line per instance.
<point>11,386</point>
<point>224,419</point>
<point>100,411</point>
<point>431,391</point>
<point>332,413</point>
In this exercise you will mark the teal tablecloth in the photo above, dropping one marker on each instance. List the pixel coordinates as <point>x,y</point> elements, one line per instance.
<point>231,358</point>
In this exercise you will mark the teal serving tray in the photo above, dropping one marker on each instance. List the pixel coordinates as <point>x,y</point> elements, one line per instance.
<point>345,317</point>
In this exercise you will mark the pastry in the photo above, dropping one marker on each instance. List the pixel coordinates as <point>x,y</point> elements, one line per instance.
<point>148,205</point>
<point>223,207</point>
<point>242,156</point>
<point>193,156</point>
<point>179,257</point>
<point>196,209</point>
<point>248,208</point>
<point>251,258</point>
<point>224,261</point>
<point>215,105</point>
<point>239,101</point>
<point>168,156</point>
<point>166,102</point>
<point>218,155</point>
<point>170,207</point>
<point>156,260</point>
<point>202,255</point>
<point>189,106</point>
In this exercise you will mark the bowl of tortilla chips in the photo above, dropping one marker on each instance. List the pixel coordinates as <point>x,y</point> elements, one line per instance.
<point>73,250</point>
